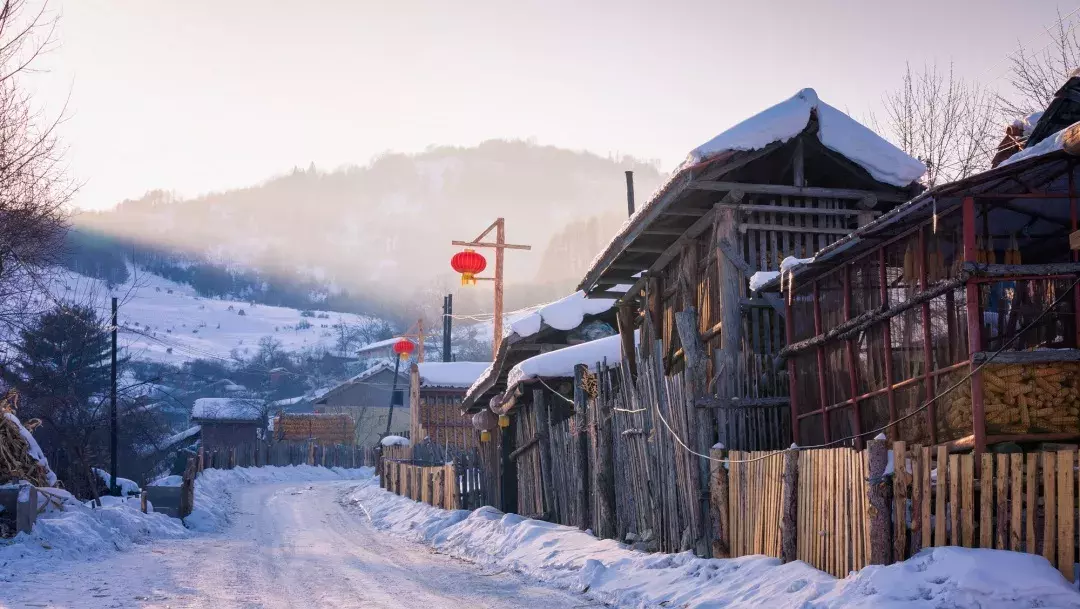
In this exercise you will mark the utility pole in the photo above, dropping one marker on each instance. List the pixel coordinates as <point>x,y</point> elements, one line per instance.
<point>420,341</point>
<point>499,225</point>
<point>448,325</point>
<point>630,193</point>
<point>393,391</point>
<point>114,488</point>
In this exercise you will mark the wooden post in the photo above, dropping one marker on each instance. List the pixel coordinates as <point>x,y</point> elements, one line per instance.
<point>500,240</point>
<point>202,459</point>
<point>142,501</point>
<point>540,411</point>
<point>607,522</point>
<point>26,511</point>
<point>686,323</point>
<point>718,499</point>
<point>626,316</point>
<point>311,453</point>
<point>789,524</point>
<point>974,321</point>
<point>881,547</point>
<point>580,404</point>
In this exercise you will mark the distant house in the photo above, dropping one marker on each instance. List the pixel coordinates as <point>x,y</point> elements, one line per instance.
<point>229,422</point>
<point>375,352</point>
<point>436,390</point>
<point>366,398</point>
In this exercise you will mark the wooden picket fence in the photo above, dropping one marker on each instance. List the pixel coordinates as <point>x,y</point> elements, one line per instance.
<point>288,453</point>
<point>450,486</point>
<point>1018,502</point>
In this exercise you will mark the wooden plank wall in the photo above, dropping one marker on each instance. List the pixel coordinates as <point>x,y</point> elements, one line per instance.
<point>1019,502</point>
<point>530,494</point>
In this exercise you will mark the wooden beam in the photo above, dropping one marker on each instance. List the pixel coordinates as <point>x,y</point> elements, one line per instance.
<point>691,233</point>
<point>734,402</point>
<point>1008,270</point>
<point>608,294</point>
<point>797,191</point>
<point>664,232</point>
<point>646,249</point>
<point>1030,357</point>
<point>505,246</point>
<point>783,228</point>
<point>735,258</point>
<point>694,212</point>
<point>802,211</point>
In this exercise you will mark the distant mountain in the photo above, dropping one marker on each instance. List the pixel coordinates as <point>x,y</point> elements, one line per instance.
<point>373,237</point>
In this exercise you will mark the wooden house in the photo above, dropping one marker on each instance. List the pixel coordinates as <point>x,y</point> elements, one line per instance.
<point>568,321</point>
<point>785,183</point>
<point>319,427</point>
<point>698,345</point>
<point>229,422</point>
<point>366,397</point>
<point>436,390</point>
<point>953,318</point>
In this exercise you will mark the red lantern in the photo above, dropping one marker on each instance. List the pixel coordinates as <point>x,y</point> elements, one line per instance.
<point>404,348</point>
<point>469,264</point>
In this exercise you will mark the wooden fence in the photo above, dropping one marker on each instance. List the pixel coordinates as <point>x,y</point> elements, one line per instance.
<point>450,486</point>
<point>288,453</point>
<point>1018,502</point>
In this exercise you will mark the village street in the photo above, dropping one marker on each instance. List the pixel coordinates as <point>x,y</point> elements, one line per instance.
<point>289,545</point>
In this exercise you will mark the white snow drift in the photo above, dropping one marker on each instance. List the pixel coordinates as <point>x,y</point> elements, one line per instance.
<point>610,572</point>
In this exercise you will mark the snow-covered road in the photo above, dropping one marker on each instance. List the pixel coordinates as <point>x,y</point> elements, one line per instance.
<point>289,545</point>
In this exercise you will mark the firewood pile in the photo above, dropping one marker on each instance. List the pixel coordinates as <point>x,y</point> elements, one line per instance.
<point>17,461</point>
<point>1018,399</point>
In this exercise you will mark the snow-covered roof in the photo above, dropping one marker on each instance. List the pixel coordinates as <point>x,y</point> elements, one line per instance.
<point>190,432</point>
<point>375,369</point>
<point>566,313</point>
<point>450,374</point>
<point>377,345</point>
<point>227,409</point>
<point>837,131</point>
<point>560,363</point>
<point>288,401</point>
<point>1052,143</point>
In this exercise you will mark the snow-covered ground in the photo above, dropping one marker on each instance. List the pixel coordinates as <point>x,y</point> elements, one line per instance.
<point>609,572</point>
<point>289,545</point>
<point>169,322</point>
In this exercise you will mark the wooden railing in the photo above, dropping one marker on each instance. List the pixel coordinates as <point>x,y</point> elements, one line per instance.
<point>451,486</point>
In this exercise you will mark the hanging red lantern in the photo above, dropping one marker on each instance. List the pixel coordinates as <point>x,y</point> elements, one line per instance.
<point>404,348</point>
<point>469,264</point>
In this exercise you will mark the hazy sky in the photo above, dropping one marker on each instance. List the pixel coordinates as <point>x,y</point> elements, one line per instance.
<point>200,95</point>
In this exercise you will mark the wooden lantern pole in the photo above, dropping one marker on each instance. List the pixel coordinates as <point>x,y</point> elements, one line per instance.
<point>499,246</point>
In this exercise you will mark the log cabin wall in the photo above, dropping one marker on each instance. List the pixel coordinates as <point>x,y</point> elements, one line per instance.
<point>756,238</point>
<point>438,419</point>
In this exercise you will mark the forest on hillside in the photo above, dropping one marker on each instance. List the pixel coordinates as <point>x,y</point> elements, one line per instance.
<point>374,238</point>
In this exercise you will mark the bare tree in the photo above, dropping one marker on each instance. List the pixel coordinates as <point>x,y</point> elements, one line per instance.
<point>946,122</point>
<point>1035,75</point>
<point>34,188</point>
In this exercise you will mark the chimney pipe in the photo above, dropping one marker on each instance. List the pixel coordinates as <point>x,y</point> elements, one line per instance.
<point>630,193</point>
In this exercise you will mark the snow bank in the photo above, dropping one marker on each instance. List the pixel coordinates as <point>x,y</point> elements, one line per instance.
<point>612,573</point>
<point>81,531</point>
<point>127,487</point>
<point>836,130</point>
<point>561,362</point>
<point>450,374</point>
<point>227,409</point>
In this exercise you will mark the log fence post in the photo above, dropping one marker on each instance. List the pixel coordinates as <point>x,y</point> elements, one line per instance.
<point>789,526</point>
<point>582,445</point>
<point>718,500</point>
<point>881,546</point>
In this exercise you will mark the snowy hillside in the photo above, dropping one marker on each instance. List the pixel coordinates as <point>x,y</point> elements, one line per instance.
<point>168,322</point>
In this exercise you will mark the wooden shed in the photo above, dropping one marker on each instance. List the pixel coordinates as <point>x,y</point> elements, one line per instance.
<point>229,422</point>
<point>954,316</point>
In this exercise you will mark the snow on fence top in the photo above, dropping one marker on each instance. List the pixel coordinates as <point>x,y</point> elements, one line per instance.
<point>395,441</point>
<point>450,374</point>
<point>227,409</point>
<point>560,363</point>
<point>836,130</point>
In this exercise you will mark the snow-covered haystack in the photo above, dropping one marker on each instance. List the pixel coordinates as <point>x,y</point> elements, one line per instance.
<point>20,456</point>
